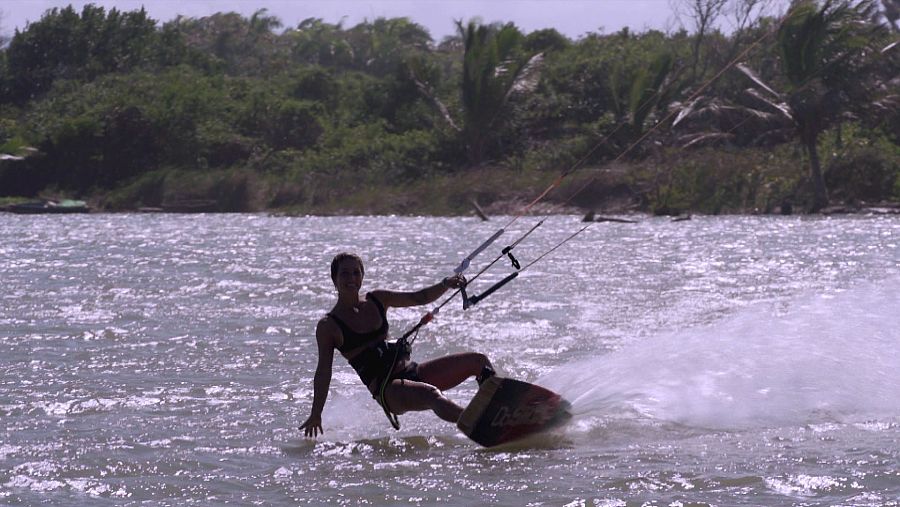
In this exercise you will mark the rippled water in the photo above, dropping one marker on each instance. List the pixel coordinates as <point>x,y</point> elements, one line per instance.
<point>167,360</point>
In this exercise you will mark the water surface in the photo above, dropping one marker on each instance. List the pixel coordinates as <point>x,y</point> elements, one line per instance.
<point>167,360</point>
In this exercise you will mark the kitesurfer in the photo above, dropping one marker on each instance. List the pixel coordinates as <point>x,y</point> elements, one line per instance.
<point>357,327</point>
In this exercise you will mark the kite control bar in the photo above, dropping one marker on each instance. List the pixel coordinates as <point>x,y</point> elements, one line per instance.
<point>472,301</point>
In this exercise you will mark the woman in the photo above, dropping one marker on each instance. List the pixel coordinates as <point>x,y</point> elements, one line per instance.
<point>358,328</point>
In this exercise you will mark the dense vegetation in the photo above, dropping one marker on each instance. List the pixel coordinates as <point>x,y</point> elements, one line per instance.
<point>799,109</point>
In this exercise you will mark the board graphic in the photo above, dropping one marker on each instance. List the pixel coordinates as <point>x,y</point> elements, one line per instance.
<point>505,410</point>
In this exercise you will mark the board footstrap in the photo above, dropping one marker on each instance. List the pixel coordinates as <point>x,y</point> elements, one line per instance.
<point>473,412</point>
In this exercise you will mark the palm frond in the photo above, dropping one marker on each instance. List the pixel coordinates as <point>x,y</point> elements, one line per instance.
<point>781,107</point>
<point>529,76</point>
<point>416,69</point>
<point>647,89</point>
<point>705,138</point>
<point>756,79</point>
<point>685,110</point>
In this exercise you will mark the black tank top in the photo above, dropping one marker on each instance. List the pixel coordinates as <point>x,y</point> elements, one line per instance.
<point>353,339</point>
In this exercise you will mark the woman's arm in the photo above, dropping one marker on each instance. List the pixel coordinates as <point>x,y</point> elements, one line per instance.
<point>421,296</point>
<point>322,378</point>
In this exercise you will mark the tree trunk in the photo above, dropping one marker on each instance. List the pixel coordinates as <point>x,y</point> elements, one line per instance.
<point>476,148</point>
<point>820,193</point>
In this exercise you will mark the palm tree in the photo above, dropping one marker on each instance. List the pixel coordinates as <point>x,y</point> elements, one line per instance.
<point>825,51</point>
<point>495,68</point>
<point>820,49</point>
<point>381,46</point>
<point>262,25</point>
<point>635,96</point>
<point>319,43</point>
<point>260,35</point>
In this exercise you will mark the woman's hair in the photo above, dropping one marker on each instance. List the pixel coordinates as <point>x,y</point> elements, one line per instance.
<point>341,257</point>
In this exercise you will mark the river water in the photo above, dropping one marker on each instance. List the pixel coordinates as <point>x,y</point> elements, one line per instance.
<point>167,360</point>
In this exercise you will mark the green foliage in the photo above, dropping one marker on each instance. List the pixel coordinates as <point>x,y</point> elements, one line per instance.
<point>231,42</point>
<point>370,152</point>
<point>862,166</point>
<point>547,40</point>
<point>381,47</point>
<point>493,63</point>
<point>648,90</point>
<point>281,122</point>
<point>821,49</point>
<point>717,181</point>
<point>318,43</point>
<point>611,87</point>
<point>11,141</point>
<point>314,83</point>
<point>145,191</point>
<point>822,41</point>
<point>227,109</point>
<point>66,45</point>
<point>865,174</point>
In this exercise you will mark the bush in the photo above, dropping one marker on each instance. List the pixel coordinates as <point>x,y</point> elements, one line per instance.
<point>146,191</point>
<point>718,181</point>
<point>866,171</point>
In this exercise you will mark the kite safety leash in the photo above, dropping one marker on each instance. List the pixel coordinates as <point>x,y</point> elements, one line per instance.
<point>403,347</point>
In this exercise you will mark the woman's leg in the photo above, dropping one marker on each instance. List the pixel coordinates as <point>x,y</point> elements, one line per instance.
<point>450,371</point>
<point>406,396</point>
<point>436,375</point>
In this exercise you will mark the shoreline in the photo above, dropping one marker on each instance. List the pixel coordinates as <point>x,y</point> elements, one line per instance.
<point>485,214</point>
<point>487,191</point>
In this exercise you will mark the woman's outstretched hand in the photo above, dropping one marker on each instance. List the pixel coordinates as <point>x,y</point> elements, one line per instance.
<point>454,282</point>
<point>313,426</point>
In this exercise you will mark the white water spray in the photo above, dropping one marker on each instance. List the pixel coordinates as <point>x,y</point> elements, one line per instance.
<point>828,357</point>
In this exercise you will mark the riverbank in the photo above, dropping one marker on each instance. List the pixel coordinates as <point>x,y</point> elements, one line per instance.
<point>669,182</point>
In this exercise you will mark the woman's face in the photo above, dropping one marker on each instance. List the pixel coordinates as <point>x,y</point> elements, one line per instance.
<point>349,276</point>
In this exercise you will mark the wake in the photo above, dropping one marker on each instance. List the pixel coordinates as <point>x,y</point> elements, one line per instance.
<point>827,357</point>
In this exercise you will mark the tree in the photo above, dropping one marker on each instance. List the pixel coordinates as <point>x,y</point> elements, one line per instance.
<point>636,96</point>
<point>820,48</point>
<point>3,39</point>
<point>262,25</point>
<point>66,45</point>
<point>546,40</point>
<point>4,73</point>
<point>744,16</point>
<point>494,69</point>
<point>703,15</point>
<point>380,47</point>
<point>244,46</point>
<point>825,54</point>
<point>260,35</point>
<point>320,43</point>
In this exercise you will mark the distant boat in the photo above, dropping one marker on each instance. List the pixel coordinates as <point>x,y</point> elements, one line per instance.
<point>46,207</point>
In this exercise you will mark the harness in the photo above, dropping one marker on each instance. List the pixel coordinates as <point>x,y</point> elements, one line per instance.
<point>371,363</point>
<point>401,348</point>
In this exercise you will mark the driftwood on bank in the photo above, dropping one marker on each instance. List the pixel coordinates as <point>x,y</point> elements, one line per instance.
<point>614,219</point>
<point>591,217</point>
<point>479,212</point>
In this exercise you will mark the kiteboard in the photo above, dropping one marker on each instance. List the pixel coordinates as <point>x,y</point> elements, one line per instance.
<point>505,410</point>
